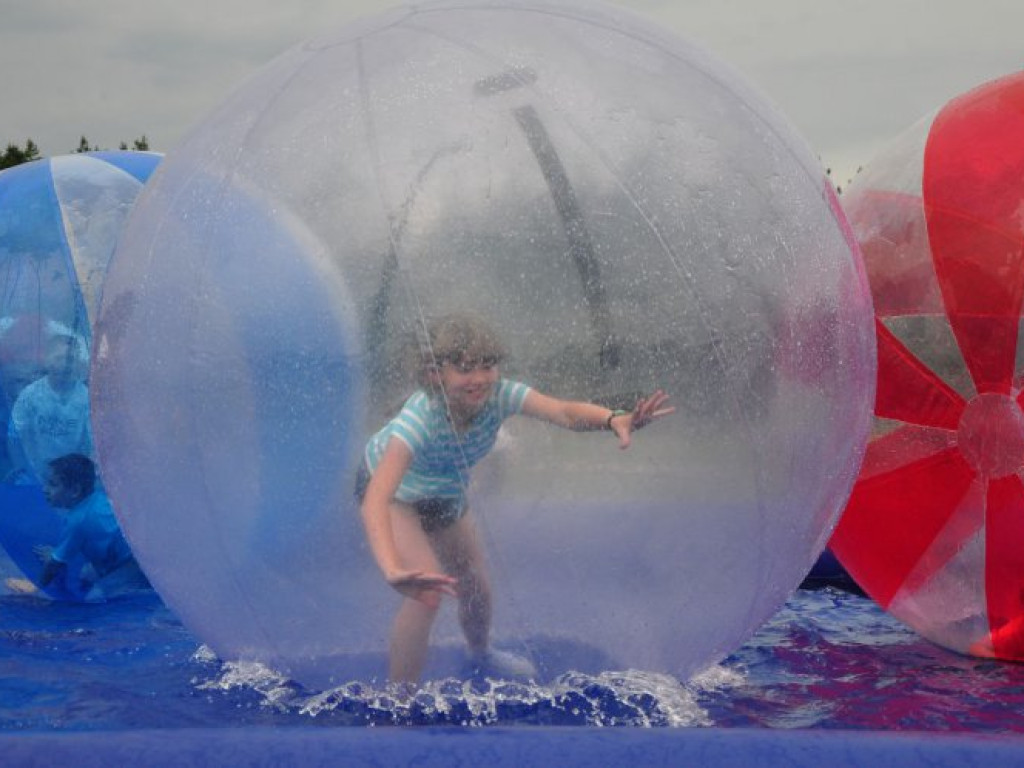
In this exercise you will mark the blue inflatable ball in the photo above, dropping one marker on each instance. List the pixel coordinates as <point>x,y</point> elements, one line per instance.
<point>621,208</point>
<point>59,221</point>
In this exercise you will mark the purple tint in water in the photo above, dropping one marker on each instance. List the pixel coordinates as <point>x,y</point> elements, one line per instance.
<point>834,660</point>
<point>829,660</point>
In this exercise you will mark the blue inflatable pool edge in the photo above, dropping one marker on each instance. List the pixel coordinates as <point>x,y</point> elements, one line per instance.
<point>525,746</point>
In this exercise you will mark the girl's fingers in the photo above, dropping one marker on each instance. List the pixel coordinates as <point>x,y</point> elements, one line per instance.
<point>424,580</point>
<point>649,408</point>
<point>434,579</point>
<point>426,587</point>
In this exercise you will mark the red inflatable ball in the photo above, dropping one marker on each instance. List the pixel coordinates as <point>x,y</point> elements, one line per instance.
<point>934,530</point>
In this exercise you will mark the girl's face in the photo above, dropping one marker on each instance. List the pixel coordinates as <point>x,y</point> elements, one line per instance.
<point>468,383</point>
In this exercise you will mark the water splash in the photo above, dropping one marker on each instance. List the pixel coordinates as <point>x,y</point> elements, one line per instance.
<point>828,660</point>
<point>631,698</point>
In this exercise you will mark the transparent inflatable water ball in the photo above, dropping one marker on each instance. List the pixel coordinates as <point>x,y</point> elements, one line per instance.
<point>626,213</point>
<point>935,522</point>
<point>59,221</point>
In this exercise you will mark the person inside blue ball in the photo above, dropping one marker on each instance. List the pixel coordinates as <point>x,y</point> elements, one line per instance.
<point>50,417</point>
<point>412,486</point>
<point>91,539</point>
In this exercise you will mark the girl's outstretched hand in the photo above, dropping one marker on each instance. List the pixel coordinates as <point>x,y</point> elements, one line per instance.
<point>646,410</point>
<point>422,585</point>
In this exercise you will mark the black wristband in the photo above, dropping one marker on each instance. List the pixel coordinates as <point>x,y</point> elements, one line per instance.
<point>612,415</point>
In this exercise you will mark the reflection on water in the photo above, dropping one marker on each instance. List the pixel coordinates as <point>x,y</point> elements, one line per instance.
<point>827,660</point>
<point>833,660</point>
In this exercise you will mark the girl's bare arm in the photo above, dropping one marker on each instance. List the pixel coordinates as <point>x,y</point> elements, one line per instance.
<point>376,515</point>
<point>582,416</point>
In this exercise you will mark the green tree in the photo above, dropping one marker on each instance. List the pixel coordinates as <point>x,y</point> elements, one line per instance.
<point>140,144</point>
<point>15,155</point>
<point>83,146</point>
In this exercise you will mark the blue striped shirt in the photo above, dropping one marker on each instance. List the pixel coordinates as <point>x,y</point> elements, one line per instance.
<point>442,458</point>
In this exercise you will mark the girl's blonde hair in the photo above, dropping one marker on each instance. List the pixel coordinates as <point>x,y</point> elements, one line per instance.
<point>456,338</point>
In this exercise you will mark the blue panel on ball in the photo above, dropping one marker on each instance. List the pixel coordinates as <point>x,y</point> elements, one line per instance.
<point>139,164</point>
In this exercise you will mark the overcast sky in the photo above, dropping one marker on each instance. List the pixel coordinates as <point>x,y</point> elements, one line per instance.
<point>850,74</point>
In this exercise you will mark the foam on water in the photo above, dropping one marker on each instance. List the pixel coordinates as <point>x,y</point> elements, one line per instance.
<point>608,699</point>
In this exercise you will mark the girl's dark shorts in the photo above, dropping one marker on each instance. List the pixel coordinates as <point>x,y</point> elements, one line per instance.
<point>435,514</point>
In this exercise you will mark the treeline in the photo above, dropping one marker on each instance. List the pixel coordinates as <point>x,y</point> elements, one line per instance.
<point>14,154</point>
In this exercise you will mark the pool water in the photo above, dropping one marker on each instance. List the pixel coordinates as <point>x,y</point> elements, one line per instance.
<point>829,660</point>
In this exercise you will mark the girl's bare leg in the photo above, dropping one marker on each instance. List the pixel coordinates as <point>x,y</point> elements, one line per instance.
<point>459,549</point>
<point>410,632</point>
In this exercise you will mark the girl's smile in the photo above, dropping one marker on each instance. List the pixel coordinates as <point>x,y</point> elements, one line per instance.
<point>467,385</point>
